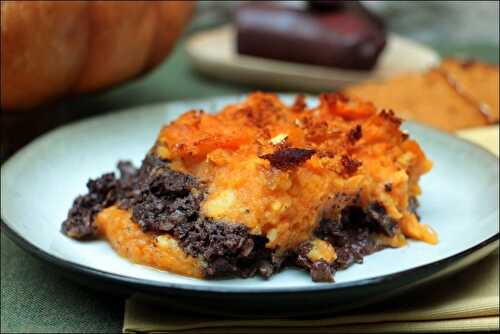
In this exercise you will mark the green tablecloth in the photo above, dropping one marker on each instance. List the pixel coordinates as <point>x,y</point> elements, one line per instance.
<point>34,297</point>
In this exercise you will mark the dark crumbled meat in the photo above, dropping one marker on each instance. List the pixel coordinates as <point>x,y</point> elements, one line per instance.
<point>159,196</point>
<point>350,232</point>
<point>266,268</point>
<point>349,165</point>
<point>350,239</point>
<point>102,193</point>
<point>162,214</point>
<point>289,157</point>
<point>321,272</point>
<point>80,221</point>
<point>167,198</point>
<point>301,255</point>
<point>228,249</point>
<point>128,184</point>
<point>103,189</point>
<point>355,134</point>
<point>388,187</point>
<point>127,171</point>
<point>213,239</point>
<point>338,202</point>
<point>377,215</point>
<point>151,165</point>
<point>171,184</point>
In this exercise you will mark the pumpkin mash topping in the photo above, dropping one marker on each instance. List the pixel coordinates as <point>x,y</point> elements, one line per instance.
<point>261,185</point>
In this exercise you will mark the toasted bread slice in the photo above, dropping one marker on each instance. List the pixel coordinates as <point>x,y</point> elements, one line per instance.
<point>451,97</point>
<point>479,81</point>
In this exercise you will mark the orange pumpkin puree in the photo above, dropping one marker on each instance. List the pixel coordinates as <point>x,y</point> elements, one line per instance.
<point>131,242</point>
<point>285,205</point>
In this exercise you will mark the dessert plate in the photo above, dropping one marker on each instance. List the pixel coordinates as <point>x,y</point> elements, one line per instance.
<point>460,201</point>
<point>213,52</point>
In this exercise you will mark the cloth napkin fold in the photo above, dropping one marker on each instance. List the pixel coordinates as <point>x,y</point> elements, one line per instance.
<point>466,302</point>
<point>485,136</point>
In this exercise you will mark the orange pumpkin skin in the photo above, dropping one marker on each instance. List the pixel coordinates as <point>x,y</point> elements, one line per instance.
<point>54,48</point>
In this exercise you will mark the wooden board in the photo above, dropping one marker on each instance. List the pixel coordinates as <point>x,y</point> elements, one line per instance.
<point>213,52</point>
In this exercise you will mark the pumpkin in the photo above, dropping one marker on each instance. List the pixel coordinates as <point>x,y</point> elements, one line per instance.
<point>54,48</point>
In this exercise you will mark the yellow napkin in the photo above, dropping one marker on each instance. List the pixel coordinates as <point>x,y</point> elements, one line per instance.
<point>485,136</point>
<point>466,302</point>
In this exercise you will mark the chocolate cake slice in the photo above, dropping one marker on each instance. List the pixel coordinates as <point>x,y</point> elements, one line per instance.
<point>341,34</point>
<point>261,186</point>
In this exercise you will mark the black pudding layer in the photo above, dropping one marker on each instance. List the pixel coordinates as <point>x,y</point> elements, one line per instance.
<point>166,201</point>
<point>350,234</point>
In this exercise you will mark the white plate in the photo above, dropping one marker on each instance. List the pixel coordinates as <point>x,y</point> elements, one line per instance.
<point>39,183</point>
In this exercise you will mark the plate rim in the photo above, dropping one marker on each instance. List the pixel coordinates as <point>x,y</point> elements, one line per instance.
<point>181,287</point>
<point>186,288</point>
